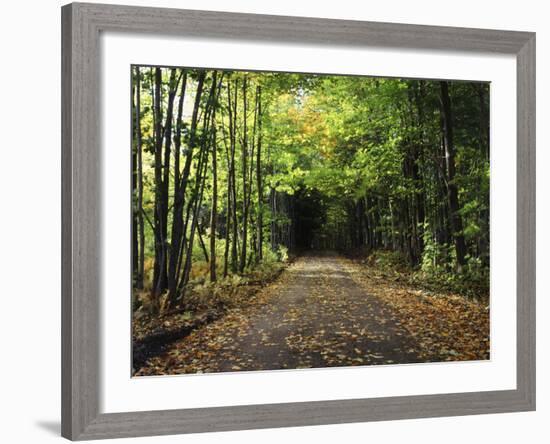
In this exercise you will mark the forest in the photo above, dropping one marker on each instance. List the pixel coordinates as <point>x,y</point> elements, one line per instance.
<point>249,184</point>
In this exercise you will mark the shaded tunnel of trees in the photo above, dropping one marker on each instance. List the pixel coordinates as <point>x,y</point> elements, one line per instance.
<point>233,170</point>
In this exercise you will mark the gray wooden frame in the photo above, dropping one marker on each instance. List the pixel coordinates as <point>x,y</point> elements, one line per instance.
<point>81,167</point>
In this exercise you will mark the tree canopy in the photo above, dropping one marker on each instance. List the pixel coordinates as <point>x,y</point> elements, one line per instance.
<point>234,170</point>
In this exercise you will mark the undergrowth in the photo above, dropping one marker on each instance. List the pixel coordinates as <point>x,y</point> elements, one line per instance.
<point>472,281</point>
<point>204,296</point>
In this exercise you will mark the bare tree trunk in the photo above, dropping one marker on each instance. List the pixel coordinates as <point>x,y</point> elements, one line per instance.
<point>201,172</point>
<point>201,241</point>
<point>232,107</point>
<point>244,149</point>
<point>227,226</point>
<point>172,89</point>
<point>452,189</point>
<point>180,186</point>
<point>160,258</point>
<point>214,212</point>
<point>227,203</point>
<point>201,178</point>
<point>135,209</point>
<point>139,158</point>
<point>259,185</point>
<point>162,178</point>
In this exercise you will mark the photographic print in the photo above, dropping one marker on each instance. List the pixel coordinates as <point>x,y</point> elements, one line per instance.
<point>294,221</point>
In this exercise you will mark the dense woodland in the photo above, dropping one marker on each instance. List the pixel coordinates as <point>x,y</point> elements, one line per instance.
<point>235,171</point>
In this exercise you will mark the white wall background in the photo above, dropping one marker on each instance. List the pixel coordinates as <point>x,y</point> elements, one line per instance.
<point>30,220</point>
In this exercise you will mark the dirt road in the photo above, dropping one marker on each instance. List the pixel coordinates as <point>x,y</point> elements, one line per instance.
<point>314,315</point>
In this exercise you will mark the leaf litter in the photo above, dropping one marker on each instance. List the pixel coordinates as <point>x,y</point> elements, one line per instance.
<point>329,311</point>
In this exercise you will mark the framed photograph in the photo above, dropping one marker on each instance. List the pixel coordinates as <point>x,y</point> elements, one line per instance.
<point>278,221</point>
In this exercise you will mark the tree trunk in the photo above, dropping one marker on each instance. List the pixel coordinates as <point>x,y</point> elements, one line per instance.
<point>259,229</point>
<point>227,216</point>
<point>452,190</point>
<point>139,204</point>
<point>180,187</point>
<point>244,149</point>
<point>214,211</point>
<point>159,274</point>
<point>201,178</point>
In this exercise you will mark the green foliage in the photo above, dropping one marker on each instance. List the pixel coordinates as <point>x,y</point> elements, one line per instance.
<point>354,162</point>
<point>282,253</point>
<point>389,260</point>
<point>435,256</point>
<point>435,274</point>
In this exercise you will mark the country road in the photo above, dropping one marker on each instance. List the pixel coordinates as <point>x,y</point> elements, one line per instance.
<point>314,315</point>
